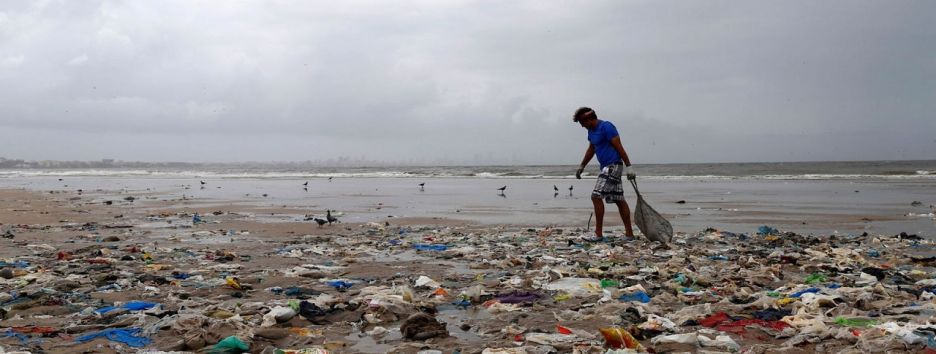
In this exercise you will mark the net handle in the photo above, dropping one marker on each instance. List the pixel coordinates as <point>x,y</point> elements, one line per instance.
<point>634,184</point>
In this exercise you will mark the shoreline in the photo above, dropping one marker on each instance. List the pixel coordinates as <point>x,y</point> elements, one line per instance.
<point>81,255</point>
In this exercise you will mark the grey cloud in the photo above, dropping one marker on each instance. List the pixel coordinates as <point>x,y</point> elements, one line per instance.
<point>466,81</point>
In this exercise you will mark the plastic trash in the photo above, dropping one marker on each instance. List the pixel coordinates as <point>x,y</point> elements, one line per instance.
<point>128,336</point>
<point>230,345</point>
<point>576,286</point>
<point>815,278</point>
<point>517,297</point>
<point>639,296</point>
<point>301,351</point>
<point>721,342</point>
<point>767,230</point>
<point>681,338</point>
<point>619,338</point>
<point>805,291</point>
<point>855,322</point>
<point>426,282</point>
<point>340,284</point>
<point>276,315</point>
<point>426,247</point>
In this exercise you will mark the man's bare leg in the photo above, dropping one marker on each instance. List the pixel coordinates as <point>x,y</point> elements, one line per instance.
<point>599,215</point>
<point>624,209</point>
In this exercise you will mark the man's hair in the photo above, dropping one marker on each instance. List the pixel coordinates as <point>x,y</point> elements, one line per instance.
<point>584,113</point>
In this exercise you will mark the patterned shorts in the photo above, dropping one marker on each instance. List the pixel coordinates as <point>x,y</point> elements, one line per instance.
<point>609,186</point>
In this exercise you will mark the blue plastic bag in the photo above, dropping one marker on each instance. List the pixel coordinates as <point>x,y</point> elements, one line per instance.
<point>128,336</point>
<point>130,306</point>
<point>639,296</point>
<point>425,247</point>
<point>801,292</point>
<point>340,284</point>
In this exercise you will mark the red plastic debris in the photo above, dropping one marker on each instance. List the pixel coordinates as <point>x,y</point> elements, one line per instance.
<point>714,319</point>
<point>737,327</point>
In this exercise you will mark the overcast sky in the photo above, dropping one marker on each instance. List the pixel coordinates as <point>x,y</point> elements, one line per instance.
<point>466,81</point>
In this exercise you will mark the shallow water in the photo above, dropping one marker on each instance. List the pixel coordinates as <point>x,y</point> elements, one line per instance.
<point>807,206</point>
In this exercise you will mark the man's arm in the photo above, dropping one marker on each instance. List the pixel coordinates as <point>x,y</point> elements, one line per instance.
<point>616,142</point>
<point>589,153</point>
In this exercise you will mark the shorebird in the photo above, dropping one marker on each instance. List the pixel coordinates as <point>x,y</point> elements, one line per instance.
<point>305,184</point>
<point>330,218</point>
<point>330,178</point>
<point>502,189</point>
<point>422,186</point>
<point>203,182</point>
<point>555,188</point>
<point>571,187</point>
<point>320,222</point>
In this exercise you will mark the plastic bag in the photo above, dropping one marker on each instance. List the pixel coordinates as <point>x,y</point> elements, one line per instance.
<point>650,222</point>
<point>230,345</point>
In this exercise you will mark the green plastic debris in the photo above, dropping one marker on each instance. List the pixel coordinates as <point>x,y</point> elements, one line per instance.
<point>608,283</point>
<point>773,293</point>
<point>855,322</point>
<point>815,278</point>
<point>230,345</point>
<point>562,297</point>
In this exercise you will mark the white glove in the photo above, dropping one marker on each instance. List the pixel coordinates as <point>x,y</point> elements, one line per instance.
<point>630,172</point>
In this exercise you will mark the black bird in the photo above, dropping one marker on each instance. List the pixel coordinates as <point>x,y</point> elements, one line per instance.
<point>306,184</point>
<point>502,189</point>
<point>555,188</point>
<point>203,182</point>
<point>331,218</point>
<point>330,178</point>
<point>570,188</point>
<point>320,222</point>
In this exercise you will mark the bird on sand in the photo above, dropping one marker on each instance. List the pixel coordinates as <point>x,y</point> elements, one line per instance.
<point>330,178</point>
<point>320,222</point>
<point>570,188</point>
<point>331,218</point>
<point>502,189</point>
<point>555,188</point>
<point>203,182</point>
<point>305,184</point>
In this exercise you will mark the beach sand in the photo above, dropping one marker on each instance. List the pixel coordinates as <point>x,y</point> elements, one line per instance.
<point>82,254</point>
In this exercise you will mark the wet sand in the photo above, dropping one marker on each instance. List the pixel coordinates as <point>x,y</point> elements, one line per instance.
<point>78,247</point>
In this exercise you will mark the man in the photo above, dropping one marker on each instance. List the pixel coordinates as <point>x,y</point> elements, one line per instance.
<point>605,142</point>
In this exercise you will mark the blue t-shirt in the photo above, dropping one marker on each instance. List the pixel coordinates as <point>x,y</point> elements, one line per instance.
<point>600,138</point>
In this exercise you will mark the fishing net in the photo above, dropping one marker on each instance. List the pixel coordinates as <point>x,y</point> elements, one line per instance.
<point>650,222</point>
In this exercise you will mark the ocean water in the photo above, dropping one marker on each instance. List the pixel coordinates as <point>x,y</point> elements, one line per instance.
<point>818,198</point>
<point>886,170</point>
